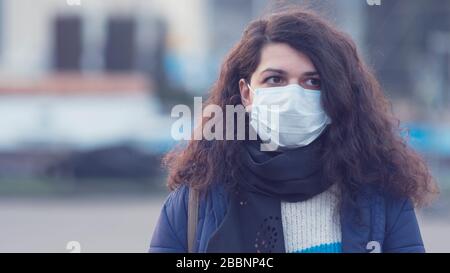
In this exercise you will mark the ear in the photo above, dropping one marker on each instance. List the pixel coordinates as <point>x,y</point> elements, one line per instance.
<point>246,95</point>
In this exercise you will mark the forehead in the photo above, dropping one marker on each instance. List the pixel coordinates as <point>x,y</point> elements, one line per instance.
<point>282,56</point>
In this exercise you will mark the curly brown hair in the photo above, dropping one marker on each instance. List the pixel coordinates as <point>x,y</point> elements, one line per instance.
<point>363,144</point>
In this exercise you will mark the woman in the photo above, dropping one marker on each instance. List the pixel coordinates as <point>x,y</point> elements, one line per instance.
<point>339,179</point>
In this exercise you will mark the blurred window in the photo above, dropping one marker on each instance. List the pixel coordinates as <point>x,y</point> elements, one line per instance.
<point>120,44</point>
<point>67,43</point>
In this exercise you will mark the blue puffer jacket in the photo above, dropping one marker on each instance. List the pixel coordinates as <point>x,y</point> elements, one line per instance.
<point>385,224</point>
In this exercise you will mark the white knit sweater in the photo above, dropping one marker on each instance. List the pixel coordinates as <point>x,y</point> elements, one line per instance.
<point>312,225</point>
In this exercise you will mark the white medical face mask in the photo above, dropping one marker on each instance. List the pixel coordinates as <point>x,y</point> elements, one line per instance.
<point>289,116</point>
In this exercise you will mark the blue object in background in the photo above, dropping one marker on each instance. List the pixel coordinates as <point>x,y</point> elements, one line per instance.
<point>428,139</point>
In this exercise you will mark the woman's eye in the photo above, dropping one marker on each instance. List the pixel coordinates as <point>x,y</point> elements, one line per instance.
<point>313,83</point>
<point>273,80</point>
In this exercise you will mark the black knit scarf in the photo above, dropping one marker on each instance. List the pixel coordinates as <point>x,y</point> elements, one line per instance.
<point>253,220</point>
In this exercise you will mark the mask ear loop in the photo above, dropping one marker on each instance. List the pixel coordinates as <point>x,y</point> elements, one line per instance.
<point>249,87</point>
<point>251,90</point>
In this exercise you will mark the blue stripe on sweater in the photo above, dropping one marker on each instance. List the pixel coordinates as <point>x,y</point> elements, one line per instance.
<point>322,248</point>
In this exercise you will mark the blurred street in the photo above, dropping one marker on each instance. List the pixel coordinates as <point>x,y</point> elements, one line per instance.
<point>100,224</point>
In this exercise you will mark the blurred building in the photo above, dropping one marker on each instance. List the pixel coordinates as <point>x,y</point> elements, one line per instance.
<point>186,39</point>
<point>409,45</point>
<point>97,35</point>
<point>79,111</point>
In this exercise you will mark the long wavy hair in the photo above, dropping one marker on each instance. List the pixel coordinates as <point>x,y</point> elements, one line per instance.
<point>363,144</point>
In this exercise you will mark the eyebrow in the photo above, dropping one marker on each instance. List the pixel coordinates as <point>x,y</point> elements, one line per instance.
<point>282,72</point>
